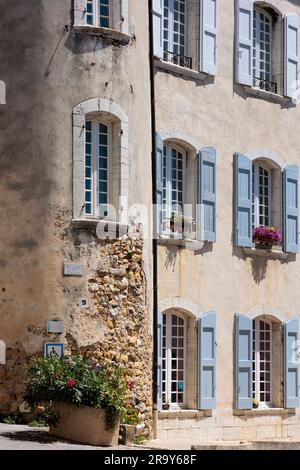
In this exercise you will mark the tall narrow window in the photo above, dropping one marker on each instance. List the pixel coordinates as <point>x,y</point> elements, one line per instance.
<point>97,168</point>
<point>98,13</point>
<point>174,358</point>
<point>174,164</point>
<point>174,34</point>
<point>261,196</point>
<point>262,361</point>
<point>262,51</point>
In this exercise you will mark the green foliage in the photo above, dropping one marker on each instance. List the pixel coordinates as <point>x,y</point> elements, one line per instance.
<point>73,380</point>
<point>131,416</point>
<point>12,418</point>
<point>47,417</point>
<point>139,440</point>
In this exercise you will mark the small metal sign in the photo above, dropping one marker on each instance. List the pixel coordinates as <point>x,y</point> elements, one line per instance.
<point>55,326</point>
<point>72,269</point>
<point>54,350</point>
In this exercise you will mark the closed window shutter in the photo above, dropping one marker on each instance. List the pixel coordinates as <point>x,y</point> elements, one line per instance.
<point>207,361</point>
<point>290,209</point>
<point>79,12</point>
<point>159,183</point>
<point>157,15</point>
<point>244,41</point>
<point>291,54</point>
<point>206,198</point>
<point>208,36</point>
<point>159,359</point>
<point>243,362</point>
<point>291,391</point>
<point>242,200</point>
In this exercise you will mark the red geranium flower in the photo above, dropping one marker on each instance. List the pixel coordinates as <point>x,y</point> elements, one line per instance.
<point>71,383</point>
<point>131,384</point>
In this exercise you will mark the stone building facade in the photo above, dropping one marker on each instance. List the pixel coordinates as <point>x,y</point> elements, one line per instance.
<point>76,141</point>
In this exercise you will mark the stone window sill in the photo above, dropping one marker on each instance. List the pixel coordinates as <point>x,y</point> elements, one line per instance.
<point>93,223</point>
<point>267,95</point>
<point>108,33</point>
<point>265,412</point>
<point>275,252</point>
<point>187,243</point>
<point>178,70</point>
<point>183,414</point>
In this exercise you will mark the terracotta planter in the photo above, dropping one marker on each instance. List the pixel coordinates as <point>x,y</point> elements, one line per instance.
<point>85,425</point>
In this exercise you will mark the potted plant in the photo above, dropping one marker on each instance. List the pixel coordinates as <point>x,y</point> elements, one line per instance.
<point>255,403</point>
<point>180,223</point>
<point>266,237</point>
<point>88,402</point>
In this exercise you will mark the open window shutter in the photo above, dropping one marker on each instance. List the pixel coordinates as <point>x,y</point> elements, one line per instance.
<point>79,12</point>
<point>291,54</point>
<point>243,200</point>
<point>207,361</point>
<point>157,15</point>
<point>244,41</point>
<point>243,362</point>
<point>291,394</point>
<point>159,359</point>
<point>206,200</point>
<point>290,209</point>
<point>208,36</point>
<point>159,182</point>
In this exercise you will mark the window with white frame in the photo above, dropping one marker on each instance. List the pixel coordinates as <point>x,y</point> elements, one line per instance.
<point>262,49</point>
<point>261,196</point>
<point>262,361</point>
<point>175,32</point>
<point>97,167</point>
<point>98,13</point>
<point>174,166</point>
<point>174,360</point>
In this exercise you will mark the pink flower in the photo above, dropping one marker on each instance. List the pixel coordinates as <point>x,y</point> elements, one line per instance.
<point>131,384</point>
<point>71,383</point>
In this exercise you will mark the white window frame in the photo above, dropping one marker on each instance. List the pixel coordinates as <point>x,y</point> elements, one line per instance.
<point>168,208</point>
<point>256,206</point>
<point>95,166</point>
<point>171,28</point>
<point>257,47</point>
<point>256,370</point>
<point>96,13</point>
<point>168,359</point>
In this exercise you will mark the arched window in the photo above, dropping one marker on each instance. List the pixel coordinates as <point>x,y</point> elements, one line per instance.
<point>97,167</point>
<point>262,361</point>
<point>261,196</point>
<point>174,167</point>
<point>262,49</point>
<point>174,360</point>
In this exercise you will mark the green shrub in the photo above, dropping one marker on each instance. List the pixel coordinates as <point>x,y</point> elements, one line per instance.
<point>74,380</point>
<point>131,416</point>
<point>12,418</point>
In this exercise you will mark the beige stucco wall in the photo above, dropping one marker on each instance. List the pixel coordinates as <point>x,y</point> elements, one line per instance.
<point>221,278</point>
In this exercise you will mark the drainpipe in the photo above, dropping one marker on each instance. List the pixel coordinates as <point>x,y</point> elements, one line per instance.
<point>154,241</point>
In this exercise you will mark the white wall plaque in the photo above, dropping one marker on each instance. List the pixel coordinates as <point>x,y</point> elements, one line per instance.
<point>55,326</point>
<point>72,269</point>
<point>2,352</point>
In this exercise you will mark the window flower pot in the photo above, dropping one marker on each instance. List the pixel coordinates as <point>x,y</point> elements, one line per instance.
<point>85,425</point>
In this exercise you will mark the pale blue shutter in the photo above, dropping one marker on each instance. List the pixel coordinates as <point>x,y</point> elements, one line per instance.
<point>159,182</point>
<point>206,200</point>
<point>242,200</point>
<point>291,54</point>
<point>157,15</point>
<point>159,359</point>
<point>244,39</point>
<point>290,209</point>
<point>291,393</point>
<point>243,362</point>
<point>207,361</point>
<point>208,36</point>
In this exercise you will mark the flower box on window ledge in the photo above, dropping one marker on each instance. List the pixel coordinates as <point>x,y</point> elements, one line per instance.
<point>182,227</point>
<point>266,237</point>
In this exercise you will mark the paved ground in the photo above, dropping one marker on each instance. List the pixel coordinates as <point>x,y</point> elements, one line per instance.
<point>17,437</point>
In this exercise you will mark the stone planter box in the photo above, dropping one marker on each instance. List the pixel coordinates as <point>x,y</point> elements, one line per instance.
<point>85,425</point>
<point>130,431</point>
